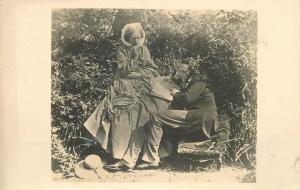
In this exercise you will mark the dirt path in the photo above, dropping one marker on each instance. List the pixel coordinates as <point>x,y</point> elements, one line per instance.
<point>63,164</point>
<point>225,175</point>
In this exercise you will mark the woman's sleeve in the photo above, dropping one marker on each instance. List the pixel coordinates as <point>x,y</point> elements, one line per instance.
<point>122,62</point>
<point>146,55</point>
<point>148,62</point>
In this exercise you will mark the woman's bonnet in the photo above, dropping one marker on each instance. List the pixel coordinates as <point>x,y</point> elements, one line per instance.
<point>129,29</point>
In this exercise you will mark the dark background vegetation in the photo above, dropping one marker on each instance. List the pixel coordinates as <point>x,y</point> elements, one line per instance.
<point>84,40</point>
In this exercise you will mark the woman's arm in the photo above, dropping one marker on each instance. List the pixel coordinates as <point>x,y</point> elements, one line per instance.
<point>146,56</point>
<point>146,53</point>
<point>122,61</point>
<point>125,64</point>
<point>122,64</point>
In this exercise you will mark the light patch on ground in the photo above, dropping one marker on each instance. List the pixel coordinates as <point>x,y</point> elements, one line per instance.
<point>225,175</point>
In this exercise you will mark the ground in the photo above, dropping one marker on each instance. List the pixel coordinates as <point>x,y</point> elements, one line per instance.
<point>225,175</point>
<point>178,170</point>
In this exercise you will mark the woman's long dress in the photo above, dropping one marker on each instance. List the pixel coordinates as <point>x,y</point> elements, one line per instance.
<point>119,121</point>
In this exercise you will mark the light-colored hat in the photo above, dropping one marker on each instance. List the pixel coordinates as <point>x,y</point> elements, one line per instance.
<point>131,29</point>
<point>90,168</point>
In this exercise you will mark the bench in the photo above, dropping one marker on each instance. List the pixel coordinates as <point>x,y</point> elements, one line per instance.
<point>200,152</point>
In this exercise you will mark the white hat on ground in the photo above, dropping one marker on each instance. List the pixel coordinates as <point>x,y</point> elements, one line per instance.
<point>89,168</point>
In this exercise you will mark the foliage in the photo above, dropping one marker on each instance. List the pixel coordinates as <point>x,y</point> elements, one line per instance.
<point>83,40</point>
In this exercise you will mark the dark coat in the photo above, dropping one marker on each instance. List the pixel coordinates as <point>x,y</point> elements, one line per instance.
<point>193,95</point>
<point>199,101</point>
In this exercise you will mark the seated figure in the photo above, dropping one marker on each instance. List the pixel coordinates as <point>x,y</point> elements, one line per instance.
<point>193,112</point>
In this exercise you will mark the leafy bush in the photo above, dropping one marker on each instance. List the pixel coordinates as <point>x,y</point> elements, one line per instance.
<point>83,40</point>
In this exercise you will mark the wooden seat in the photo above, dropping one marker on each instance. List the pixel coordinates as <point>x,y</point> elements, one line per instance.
<point>202,149</point>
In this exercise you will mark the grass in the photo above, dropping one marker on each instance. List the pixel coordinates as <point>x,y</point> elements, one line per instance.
<point>177,169</point>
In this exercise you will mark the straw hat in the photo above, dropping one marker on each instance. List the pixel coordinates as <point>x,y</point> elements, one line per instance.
<point>89,168</point>
<point>130,29</point>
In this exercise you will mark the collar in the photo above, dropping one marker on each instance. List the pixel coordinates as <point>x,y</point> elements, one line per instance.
<point>188,81</point>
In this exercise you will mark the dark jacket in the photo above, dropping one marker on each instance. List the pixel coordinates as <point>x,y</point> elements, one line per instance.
<point>193,95</point>
<point>199,101</point>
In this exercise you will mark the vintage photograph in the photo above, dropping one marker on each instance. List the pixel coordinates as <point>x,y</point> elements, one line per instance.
<point>154,95</point>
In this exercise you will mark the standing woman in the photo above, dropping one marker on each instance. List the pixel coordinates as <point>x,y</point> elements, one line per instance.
<point>118,123</point>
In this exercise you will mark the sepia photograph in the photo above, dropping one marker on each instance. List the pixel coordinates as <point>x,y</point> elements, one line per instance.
<point>153,95</point>
<point>150,94</point>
